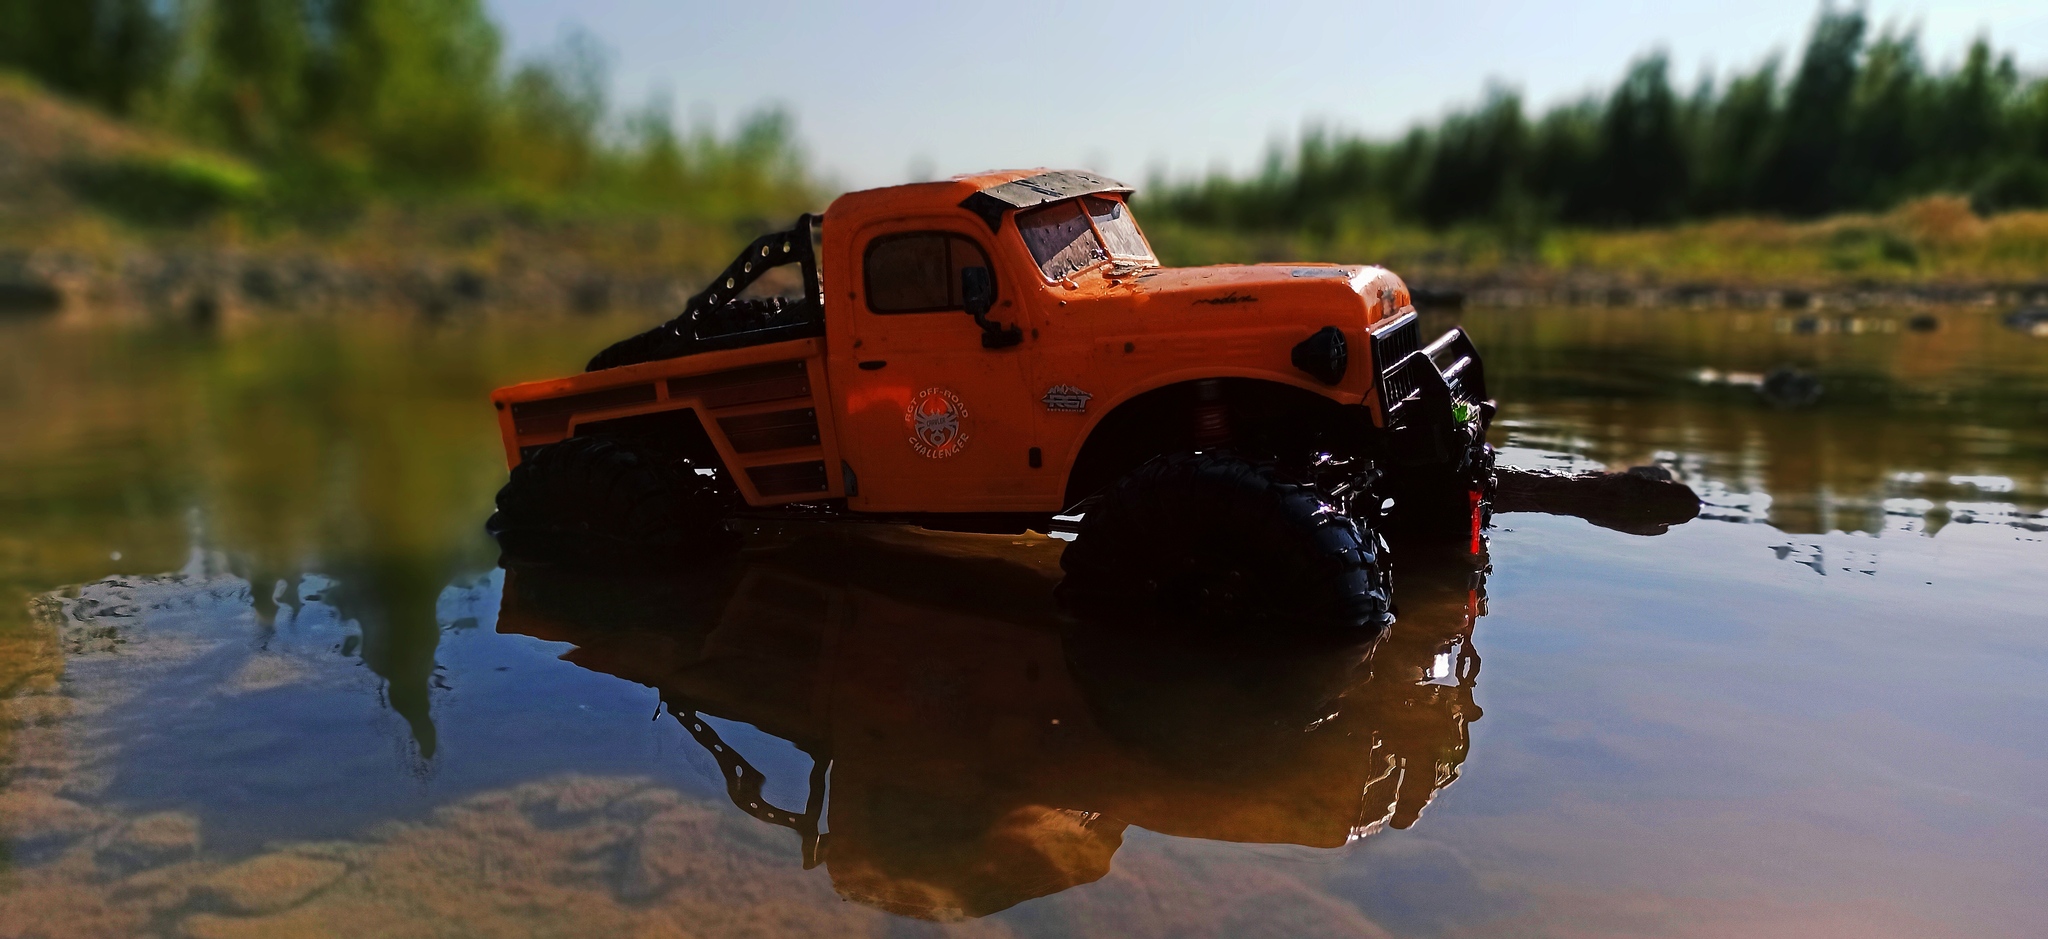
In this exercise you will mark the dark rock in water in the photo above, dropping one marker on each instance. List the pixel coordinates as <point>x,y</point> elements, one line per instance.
<point>28,297</point>
<point>263,285</point>
<point>1923,323</point>
<point>591,295</point>
<point>467,285</point>
<point>2032,320</point>
<point>1426,299</point>
<point>435,304</point>
<point>1788,387</point>
<point>203,309</point>
<point>1645,500</point>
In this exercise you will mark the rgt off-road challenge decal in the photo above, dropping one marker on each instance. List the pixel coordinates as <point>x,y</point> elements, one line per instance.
<point>937,421</point>
<point>1066,398</point>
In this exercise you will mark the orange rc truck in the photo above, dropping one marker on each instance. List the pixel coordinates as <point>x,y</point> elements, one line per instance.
<point>1002,352</point>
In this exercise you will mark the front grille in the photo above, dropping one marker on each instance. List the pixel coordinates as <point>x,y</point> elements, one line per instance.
<point>1400,383</point>
<point>1454,357</point>
<point>1391,343</point>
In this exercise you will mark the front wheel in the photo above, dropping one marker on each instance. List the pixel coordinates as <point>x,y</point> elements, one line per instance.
<point>1227,543</point>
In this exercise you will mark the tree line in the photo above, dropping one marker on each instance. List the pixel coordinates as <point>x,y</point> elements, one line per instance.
<point>335,96</point>
<point>1861,122</point>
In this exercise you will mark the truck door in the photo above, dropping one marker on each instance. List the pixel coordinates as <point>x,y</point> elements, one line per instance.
<point>931,421</point>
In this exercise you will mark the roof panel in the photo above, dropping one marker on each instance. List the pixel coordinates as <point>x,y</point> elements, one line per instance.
<point>1050,186</point>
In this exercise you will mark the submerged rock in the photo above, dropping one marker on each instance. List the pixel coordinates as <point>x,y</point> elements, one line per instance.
<point>1788,387</point>
<point>22,296</point>
<point>151,841</point>
<point>2033,321</point>
<point>30,815</point>
<point>1646,500</point>
<point>269,883</point>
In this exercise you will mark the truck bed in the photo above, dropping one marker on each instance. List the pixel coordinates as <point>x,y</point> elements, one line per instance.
<point>759,405</point>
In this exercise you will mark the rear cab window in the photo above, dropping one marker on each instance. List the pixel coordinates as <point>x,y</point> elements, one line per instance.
<point>919,272</point>
<point>1073,235</point>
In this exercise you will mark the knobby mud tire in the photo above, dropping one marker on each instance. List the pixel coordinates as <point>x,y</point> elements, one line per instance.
<point>1210,713</point>
<point>590,501</point>
<point>1228,545</point>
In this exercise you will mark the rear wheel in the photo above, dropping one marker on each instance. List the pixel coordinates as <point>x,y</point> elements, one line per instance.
<point>1226,543</point>
<point>593,500</point>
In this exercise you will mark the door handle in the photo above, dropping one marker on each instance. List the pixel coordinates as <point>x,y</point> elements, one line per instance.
<point>871,365</point>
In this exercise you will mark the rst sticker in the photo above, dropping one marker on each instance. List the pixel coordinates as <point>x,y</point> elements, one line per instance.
<point>1066,398</point>
<point>937,421</point>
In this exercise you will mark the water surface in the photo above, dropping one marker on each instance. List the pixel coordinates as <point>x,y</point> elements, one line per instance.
<point>263,676</point>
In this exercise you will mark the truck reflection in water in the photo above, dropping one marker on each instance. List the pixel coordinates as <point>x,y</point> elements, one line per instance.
<point>973,749</point>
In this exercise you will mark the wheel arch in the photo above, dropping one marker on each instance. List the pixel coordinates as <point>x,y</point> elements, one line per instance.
<point>677,431</point>
<point>1157,417</point>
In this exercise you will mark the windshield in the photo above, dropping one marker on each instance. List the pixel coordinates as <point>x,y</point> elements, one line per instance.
<point>1064,238</point>
<point>1118,230</point>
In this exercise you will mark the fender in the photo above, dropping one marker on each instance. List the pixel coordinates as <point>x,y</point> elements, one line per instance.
<point>1086,434</point>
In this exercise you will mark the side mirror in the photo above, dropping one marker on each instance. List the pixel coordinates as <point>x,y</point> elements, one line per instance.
<point>977,291</point>
<point>978,296</point>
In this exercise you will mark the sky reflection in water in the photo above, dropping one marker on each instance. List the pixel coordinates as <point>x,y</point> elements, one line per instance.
<point>1805,713</point>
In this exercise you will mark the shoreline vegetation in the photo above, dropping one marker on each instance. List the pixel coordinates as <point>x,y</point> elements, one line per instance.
<point>240,156</point>
<point>1931,251</point>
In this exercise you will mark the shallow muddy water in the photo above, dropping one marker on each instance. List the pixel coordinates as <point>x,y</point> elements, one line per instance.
<point>262,675</point>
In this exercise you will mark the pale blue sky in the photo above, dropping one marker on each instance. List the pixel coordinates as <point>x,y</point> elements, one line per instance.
<point>882,89</point>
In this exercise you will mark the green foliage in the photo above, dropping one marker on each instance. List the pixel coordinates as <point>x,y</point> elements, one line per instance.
<point>415,88</point>
<point>1860,124</point>
<point>1640,160</point>
<point>163,191</point>
<point>2015,184</point>
<point>104,51</point>
<point>344,102</point>
<point>320,195</point>
<point>1864,248</point>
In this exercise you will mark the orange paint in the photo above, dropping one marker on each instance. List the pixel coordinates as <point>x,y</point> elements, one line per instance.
<point>1101,334</point>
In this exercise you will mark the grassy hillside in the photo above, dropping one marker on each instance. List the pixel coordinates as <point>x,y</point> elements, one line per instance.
<point>1932,245</point>
<point>59,159</point>
<point>118,218</point>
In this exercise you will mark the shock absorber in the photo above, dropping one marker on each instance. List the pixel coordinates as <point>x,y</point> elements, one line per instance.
<point>1212,415</point>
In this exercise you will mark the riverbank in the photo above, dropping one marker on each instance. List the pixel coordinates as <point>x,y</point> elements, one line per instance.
<point>440,263</point>
<point>423,266</point>
<point>439,260</point>
<point>1932,251</point>
<point>102,219</point>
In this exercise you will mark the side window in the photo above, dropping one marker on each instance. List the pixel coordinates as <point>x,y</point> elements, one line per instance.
<point>919,272</point>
